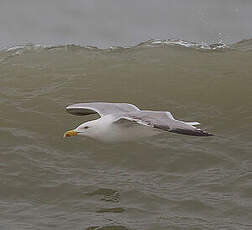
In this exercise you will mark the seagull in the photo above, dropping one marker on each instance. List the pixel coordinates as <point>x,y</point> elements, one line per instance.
<point>126,122</point>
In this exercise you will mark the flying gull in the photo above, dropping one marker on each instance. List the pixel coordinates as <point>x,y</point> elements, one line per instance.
<point>126,122</point>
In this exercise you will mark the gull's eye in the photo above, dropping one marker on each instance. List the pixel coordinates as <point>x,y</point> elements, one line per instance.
<point>86,127</point>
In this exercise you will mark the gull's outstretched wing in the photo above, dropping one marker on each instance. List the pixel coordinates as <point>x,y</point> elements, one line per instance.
<point>162,121</point>
<point>102,108</point>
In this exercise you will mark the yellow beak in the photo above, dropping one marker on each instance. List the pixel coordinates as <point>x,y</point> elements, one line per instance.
<point>70,133</point>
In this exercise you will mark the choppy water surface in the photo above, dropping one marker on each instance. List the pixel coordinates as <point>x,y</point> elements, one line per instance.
<point>167,182</point>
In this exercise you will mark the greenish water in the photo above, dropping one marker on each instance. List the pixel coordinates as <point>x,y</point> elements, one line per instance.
<point>167,182</point>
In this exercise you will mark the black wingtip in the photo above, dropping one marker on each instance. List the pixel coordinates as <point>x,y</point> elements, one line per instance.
<point>197,132</point>
<point>204,133</point>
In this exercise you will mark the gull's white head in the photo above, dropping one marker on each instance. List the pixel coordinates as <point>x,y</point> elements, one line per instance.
<point>89,129</point>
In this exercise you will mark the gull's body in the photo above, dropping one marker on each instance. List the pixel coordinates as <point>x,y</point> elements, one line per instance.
<point>104,129</point>
<point>126,122</point>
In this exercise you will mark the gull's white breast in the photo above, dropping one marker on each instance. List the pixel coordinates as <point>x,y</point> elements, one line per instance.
<point>108,131</point>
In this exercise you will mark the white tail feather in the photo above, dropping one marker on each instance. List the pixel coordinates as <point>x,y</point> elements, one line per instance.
<point>193,123</point>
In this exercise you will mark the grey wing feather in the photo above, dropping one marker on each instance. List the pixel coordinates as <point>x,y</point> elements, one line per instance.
<point>128,121</point>
<point>102,108</point>
<point>164,121</point>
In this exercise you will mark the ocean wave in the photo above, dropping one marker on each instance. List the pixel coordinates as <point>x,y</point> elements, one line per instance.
<point>243,45</point>
<point>183,43</point>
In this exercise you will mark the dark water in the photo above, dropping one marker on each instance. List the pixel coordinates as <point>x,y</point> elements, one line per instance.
<point>167,182</point>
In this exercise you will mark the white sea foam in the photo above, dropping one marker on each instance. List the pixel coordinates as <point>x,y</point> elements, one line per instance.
<point>17,50</point>
<point>13,48</point>
<point>201,45</point>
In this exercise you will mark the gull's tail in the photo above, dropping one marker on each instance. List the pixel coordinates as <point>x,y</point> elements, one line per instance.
<point>193,123</point>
